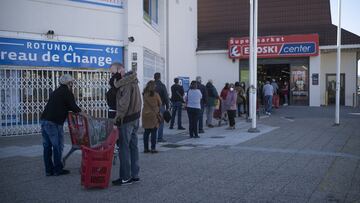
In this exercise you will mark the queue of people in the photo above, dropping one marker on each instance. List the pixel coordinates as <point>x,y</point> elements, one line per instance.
<point>126,107</point>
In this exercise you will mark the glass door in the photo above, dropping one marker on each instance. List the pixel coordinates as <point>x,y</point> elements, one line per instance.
<point>331,88</point>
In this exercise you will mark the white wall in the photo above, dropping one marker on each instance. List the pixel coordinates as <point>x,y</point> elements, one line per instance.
<point>348,66</point>
<point>315,95</point>
<point>182,39</point>
<point>145,35</point>
<point>218,67</point>
<point>67,19</point>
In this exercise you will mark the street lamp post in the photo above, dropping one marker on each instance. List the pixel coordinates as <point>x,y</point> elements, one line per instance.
<point>338,64</point>
<point>253,63</point>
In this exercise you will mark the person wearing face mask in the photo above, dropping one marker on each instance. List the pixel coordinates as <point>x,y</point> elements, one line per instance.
<point>53,117</point>
<point>230,105</point>
<point>111,95</point>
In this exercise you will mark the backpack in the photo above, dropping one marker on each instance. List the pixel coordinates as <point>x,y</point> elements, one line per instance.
<point>111,98</point>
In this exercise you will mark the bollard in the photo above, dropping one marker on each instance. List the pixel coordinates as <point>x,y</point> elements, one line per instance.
<point>326,98</point>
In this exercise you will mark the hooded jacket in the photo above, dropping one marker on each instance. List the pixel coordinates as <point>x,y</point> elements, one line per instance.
<point>128,99</point>
<point>212,94</point>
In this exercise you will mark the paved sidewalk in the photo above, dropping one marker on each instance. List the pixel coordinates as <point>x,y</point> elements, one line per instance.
<point>298,156</point>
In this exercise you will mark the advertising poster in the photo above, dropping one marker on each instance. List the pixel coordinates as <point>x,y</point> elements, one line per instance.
<point>299,85</point>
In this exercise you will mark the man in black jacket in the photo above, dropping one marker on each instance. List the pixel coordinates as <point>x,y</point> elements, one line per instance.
<point>177,94</point>
<point>204,99</point>
<point>52,120</point>
<point>161,90</point>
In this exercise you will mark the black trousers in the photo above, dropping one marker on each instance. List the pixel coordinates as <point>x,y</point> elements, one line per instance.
<point>231,115</point>
<point>147,132</point>
<point>193,115</point>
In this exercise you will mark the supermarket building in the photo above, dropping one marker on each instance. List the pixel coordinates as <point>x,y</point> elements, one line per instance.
<point>296,44</point>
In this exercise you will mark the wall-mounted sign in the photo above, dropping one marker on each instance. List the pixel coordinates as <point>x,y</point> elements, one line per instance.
<point>315,78</point>
<point>108,3</point>
<point>185,82</point>
<point>276,46</point>
<point>134,56</point>
<point>22,52</point>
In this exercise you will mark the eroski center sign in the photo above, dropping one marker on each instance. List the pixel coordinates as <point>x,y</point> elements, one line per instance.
<point>276,46</point>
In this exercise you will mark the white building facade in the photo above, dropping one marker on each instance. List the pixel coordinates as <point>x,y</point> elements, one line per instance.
<point>43,39</point>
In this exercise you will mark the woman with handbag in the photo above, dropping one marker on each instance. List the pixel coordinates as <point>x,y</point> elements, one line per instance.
<point>151,116</point>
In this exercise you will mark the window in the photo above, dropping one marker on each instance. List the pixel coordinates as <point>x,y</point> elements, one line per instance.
<point>151,11</point>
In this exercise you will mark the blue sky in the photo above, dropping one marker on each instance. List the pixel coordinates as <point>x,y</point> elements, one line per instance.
<point>350,14</point>
<point>349,17</point>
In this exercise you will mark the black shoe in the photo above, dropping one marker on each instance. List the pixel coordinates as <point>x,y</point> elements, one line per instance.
<point>135,180</point>
<point>181,128</point>
<point>50,174</point>
<point>201,131</point>
<point>146,151</point>
<point>119,182</point>
<point>154,151</point>
<point>210,126</point>
<point>161,140</point>
<point>171,128</point>
<point>63,172</point>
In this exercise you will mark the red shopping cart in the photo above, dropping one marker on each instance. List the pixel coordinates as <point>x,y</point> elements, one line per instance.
<point>97,162</point>
<point>79,132</point>
<point>86,131</point>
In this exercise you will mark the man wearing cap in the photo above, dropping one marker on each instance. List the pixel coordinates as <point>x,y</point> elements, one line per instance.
<point>61,101</point>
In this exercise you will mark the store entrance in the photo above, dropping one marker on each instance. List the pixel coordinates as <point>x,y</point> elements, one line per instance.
<point>281,74</point>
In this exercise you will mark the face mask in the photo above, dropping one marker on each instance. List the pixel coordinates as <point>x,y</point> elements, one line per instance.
<point>231,89</point>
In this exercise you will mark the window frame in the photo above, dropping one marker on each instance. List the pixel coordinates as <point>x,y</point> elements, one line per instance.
<point>151,17</point>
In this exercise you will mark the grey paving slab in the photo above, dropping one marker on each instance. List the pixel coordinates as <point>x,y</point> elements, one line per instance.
<point>270,186</point>
<point>301,186</point>
<point>291,160</point>
<point>287,198</point>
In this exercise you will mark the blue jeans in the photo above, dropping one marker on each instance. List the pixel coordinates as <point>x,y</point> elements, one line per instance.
<point>161,126</point>
<point>128,150</point>
<point>209,114</point>
<point>176,108</point>
<point>147,132</point>
<point>239,110</point>
<point>268,103</point>
<point>53,142</point>
<point>193,115</point>
<point>201,117</point>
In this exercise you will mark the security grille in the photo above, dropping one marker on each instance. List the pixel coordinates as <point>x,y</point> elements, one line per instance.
<point>24,93</point>
<point>153,63</point>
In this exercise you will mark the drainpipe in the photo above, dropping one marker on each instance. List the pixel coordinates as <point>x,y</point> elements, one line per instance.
<point>167,42</point>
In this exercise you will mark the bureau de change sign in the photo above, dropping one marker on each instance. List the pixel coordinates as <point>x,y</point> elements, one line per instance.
<point>23,52</point>
<point>276,46</point>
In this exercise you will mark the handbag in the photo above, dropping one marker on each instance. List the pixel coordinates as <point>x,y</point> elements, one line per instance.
<point>166,116</point>
<point>159,117</point>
